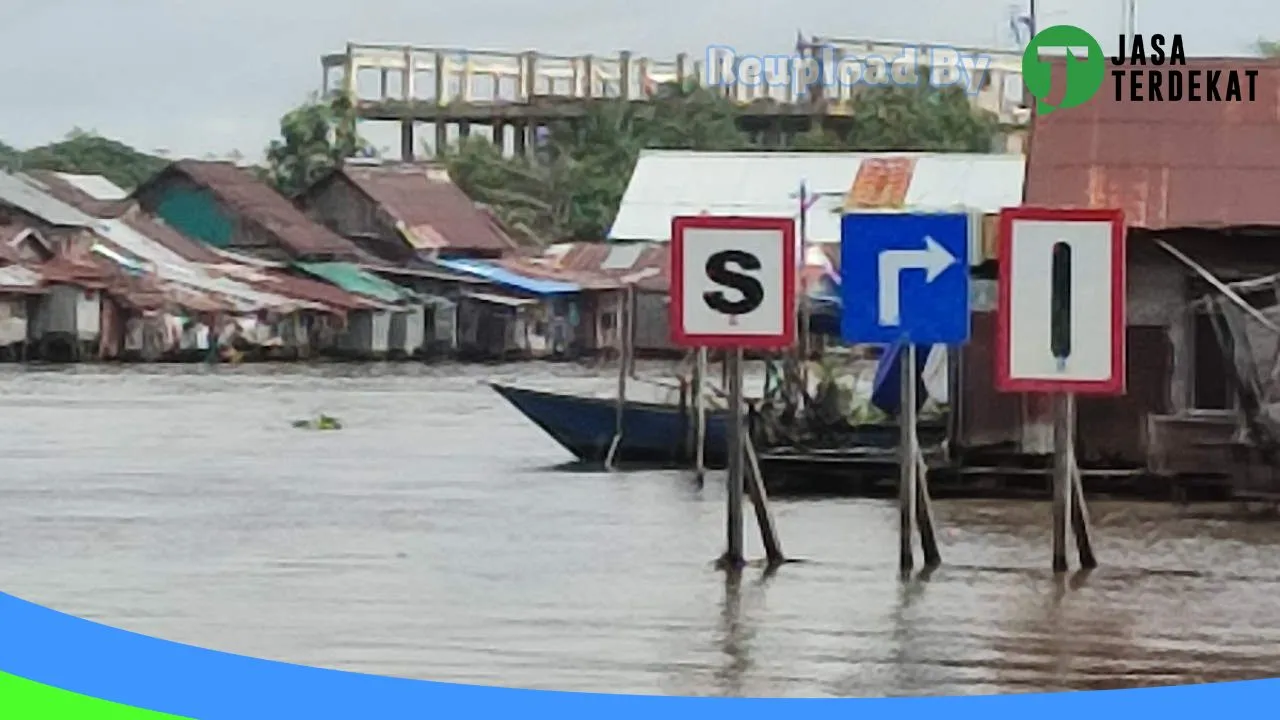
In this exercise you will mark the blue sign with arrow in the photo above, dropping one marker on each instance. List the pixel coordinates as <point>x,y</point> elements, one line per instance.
<point>905,277</point>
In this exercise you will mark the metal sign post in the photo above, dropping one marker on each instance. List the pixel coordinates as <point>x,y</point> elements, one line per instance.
<point>1061,331</point>
<point>733,288</point>
<point>906,280</point>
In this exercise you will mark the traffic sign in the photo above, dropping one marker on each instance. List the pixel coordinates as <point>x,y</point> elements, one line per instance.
<point>733,282</point>
<point>905,276</point>
<point>1061,310</point>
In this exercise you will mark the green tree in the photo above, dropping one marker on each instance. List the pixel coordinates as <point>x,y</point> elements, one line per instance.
<point>569,187</point>
<point>8,155</point>
<point>1267,48</point>
<point>87,153</point>
<point>315,137</point>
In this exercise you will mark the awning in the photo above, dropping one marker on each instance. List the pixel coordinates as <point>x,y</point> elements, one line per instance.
<point>505,300</point>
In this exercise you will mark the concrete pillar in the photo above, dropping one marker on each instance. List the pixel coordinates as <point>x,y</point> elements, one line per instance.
<point>528,76</point>
<point>349,73</point>
<point>408,150</point>
<point>407,80</point>
<point>442,82</point>
<point>464,129</point>
<point>624,75</point>
<point>384,77</point>
<point>521,136</point>
<point>499,133</point>
<point>442,138</point>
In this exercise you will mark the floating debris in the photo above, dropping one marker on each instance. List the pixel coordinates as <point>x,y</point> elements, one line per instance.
<point>324,422</point>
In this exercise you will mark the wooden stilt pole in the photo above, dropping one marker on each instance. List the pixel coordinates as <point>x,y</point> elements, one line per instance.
<point>760,503</point>
<point>907,459</point>
<point>1080,516</point>
<point>1063,461</point>
<point>924,512</point>
<point>733,554</point>
<point>700,410</point>
<point>624,367</point>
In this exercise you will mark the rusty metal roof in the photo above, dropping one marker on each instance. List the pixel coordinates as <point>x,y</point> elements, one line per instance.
<point>668,183</point>
<point>261,204</point>
<point>433,213</point>
<point>604,265</point>
<point>1166,164</point>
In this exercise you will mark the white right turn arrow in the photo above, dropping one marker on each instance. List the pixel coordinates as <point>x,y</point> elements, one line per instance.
<point>932,258</point>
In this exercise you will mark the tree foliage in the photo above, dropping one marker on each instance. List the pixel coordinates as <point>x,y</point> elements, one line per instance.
<point>1267,48</point>
<point>87,153</point>
<point>569,187</point>
<point>315,137</point>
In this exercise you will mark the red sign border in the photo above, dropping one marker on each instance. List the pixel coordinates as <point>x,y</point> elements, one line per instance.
<point>1114,385</point>
<point>784,225</point>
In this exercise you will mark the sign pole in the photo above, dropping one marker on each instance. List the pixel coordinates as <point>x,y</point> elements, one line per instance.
<point>905,282</point>
<point>1063,462</point>
<point>700,410</point>
<point>733,288</point>
<point>907,459</point>
<point>733,554</point>
<point>624,366</point>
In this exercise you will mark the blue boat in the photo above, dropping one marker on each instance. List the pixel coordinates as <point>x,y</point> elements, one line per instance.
<point>654,434</point>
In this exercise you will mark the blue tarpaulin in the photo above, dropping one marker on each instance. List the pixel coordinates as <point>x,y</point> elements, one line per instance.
<point>886,389</point>
<point>502,276</point>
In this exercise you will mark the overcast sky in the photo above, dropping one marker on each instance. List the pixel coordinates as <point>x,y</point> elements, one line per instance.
<point>196,77</point>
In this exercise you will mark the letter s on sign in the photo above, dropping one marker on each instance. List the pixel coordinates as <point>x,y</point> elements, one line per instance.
<point>719,272</point>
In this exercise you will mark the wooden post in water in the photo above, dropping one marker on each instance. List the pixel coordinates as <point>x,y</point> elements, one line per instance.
<point>624,367</point>
<point>914,503</point>
<point>1063,462</point>
<point>908,460</point>
<point>1078,512</point>
<point>700,411</point>
<point>924,512</point>
<point>733,554</point>
<point>760,503</point>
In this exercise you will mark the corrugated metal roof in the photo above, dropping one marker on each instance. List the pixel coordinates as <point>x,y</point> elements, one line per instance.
<point>262,205</point>
<point>668,183</point>
<point>508,278</point>
<point>174,269</point>
<point>70,189</point>
<point>354,280</point>
<point>95,186</point>
<point>177,243</point>
<point>26,197</point>
<point>1165,164</point>
<point>433,213</point>
<point>295,286</point>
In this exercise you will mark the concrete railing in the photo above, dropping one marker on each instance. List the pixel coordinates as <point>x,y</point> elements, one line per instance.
<point>380,73</point>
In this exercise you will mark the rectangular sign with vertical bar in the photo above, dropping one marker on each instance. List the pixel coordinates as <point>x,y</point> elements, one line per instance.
<point>1061,309</point>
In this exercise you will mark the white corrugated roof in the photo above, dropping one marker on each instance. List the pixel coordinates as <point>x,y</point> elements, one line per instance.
<point>20,194</point>
<point>173,268</point>
<point>95,186</point>
<point>669,183</point>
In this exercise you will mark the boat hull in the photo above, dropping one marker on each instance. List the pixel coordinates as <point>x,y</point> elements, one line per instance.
<point>653,434</point>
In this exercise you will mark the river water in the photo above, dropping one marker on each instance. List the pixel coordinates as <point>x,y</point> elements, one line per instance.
<point>438,536</point>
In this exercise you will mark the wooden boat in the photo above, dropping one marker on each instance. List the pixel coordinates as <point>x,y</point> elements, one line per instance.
<point>654,434</point>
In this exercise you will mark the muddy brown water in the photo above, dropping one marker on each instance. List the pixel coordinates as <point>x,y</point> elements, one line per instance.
<point>437,536</point>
